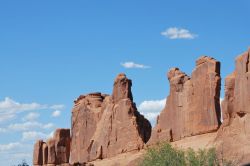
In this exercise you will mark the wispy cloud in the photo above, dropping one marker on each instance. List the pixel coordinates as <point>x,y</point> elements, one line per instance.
<point>15,151</point>
<point>178,33</point>
<point>29,125</point>
<point>131,65</point>
<point>31,116</point>
<point>34,135</point>
<point>56,113</point>
<point>57,107</point>
<point>11,105</point>
<point>22,120</point>
<point>9,108</point>
<point>2,130</point>
<point>9,146</point>
<point>151,109</point>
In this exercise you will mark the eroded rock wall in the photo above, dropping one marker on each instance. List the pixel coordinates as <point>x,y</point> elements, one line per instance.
<point>55,151</point>
<point>192,106</point>
<point>233,139</point>
<point>104,126</point>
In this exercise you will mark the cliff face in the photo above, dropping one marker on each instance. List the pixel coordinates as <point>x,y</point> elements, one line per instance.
<point>237,88</point>
<point>192,106</point>
<point>234,136</point>
<point>55,151</point>
<point>104,126</point>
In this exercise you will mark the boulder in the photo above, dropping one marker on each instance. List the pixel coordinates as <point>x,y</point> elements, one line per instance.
<point>193,105</point>
<point>104,126</point>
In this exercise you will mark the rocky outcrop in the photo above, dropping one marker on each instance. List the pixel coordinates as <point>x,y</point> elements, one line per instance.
<point>192,106</point>
<point>233,139</point>
<point>55,151</point>
<point>237,90</point>
<point>38,153</point>
<point>107,126</point>
<point>104,126</point>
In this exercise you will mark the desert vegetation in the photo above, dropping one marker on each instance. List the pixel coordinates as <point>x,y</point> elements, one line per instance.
<point>165,155</point>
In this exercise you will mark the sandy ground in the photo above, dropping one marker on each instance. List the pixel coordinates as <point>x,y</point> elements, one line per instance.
<point>132,158</point>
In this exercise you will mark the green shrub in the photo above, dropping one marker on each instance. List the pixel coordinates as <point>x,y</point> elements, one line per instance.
<point>165,155</point>
<point>202,157</point>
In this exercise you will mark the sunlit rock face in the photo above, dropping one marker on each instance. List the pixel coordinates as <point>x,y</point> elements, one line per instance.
<point>233,139</point>
<point>237,88</point>
<point>55,151</point>
<point>104,126</point>
<point>193,105</point>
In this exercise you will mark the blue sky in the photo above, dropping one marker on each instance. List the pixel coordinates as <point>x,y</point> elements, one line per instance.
<point>53,51</point>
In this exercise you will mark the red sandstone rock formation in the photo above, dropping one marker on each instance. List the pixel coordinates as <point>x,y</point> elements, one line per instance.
<point>55,151</point>
<point>192,106</point>
<point>237,90</point>
<point>104,126</point>
<point>38,153</point>
<point>233,138</point>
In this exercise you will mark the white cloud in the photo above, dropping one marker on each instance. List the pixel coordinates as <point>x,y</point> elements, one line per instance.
<point>10,108</point>
<point>56,113</point>
<point>34,135</point>
<point>57,107</point>
<point>14,152</point>
<point>151,109</point>
<point>29,125</point>
<point>48,126</point>
<point>9,146</point>
<point>21,118</point>
<point>6,116</point>
<point>130,65</point>
<point>151,116</point>
<point>2,130</point>
<point>152,105</point>
<point>51,135</point>
<point>11,105</point>
<point>31,116</point>
<point>178,33</point>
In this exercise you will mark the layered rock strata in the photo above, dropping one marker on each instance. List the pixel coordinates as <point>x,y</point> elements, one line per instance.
<point>193,105</point>
<point>104,126</point>
<point>55,151</point>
